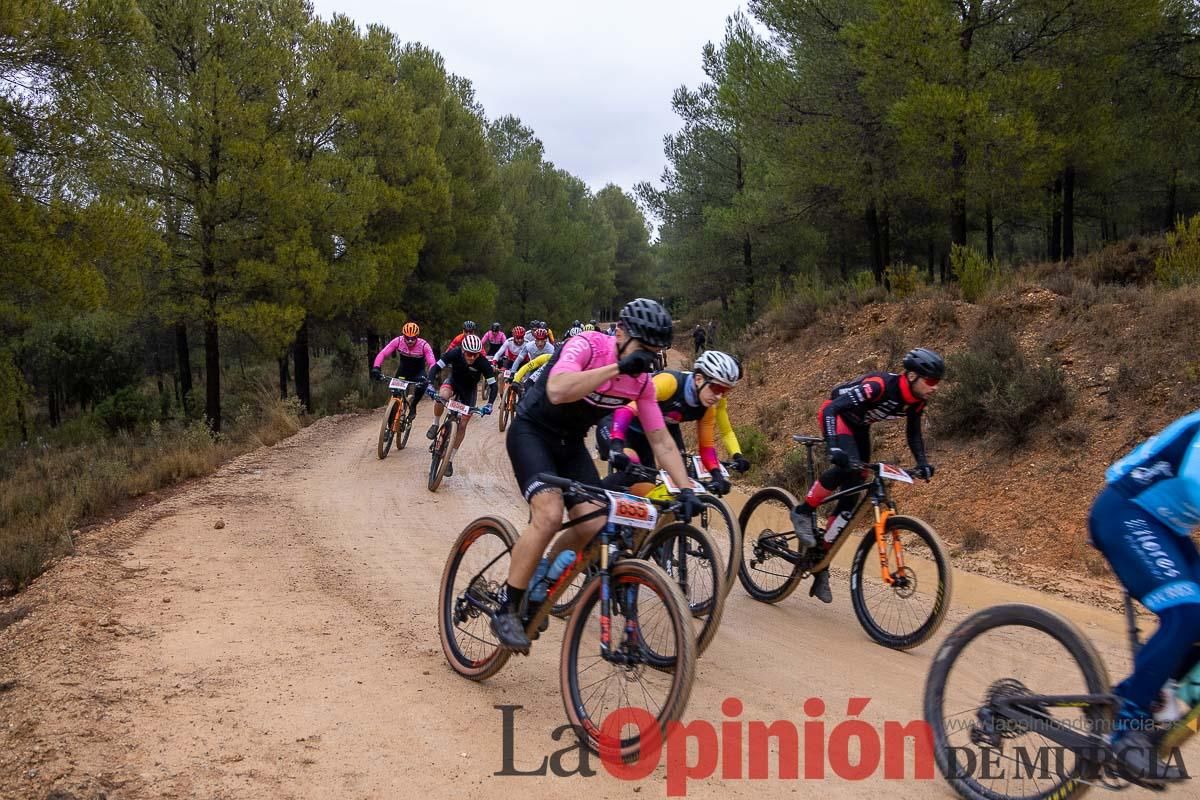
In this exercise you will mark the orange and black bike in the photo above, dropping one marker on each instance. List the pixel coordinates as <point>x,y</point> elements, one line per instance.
<point>900,576</point>
<point>508,400</point>
<point>397,417</point>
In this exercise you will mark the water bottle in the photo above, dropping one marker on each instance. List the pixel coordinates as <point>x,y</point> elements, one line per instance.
<point>540,589</point>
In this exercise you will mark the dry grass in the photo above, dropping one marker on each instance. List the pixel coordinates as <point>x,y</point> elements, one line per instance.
<point>46,494</point>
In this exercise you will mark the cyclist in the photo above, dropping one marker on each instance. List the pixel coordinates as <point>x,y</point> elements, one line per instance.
<point>1141,521</point>
<point>573,332</point>
<point>589,327</point>
<point>467,365</point>
<point>541,345</point>
<point>697,397</point>
<point>612,329</point>
<point>585,380</point>
<point>845,421</point>
<point>698,337</point>
<point>468,329</point>
<point>493,340</point>
<point>415,357</point>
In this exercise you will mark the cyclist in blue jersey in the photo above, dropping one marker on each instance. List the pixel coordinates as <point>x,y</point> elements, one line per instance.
<point>1141,522</point>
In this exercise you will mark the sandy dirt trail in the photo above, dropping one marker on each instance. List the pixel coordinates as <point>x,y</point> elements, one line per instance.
<point>293,652</point>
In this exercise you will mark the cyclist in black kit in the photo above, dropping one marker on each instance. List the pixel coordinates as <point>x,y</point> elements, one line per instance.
<point>845,423</point>
<point>467,366</point>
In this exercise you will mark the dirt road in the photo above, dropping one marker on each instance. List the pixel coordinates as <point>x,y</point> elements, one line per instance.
<point>270,632</point>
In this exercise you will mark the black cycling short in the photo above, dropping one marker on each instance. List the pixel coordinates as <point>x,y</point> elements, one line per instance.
<point>465,396</point>
<point>533,450</point>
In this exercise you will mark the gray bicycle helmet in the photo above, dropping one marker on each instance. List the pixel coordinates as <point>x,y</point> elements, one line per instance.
<point>925,363</point>
<point>647,321</point>
<point>718,367</point>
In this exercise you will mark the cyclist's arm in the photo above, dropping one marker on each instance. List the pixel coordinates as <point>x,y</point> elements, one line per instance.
<point>490,373</point>
<point>387,350</point>
<point>438,366</point>
<point>569,381</point>
<point>666,453</point>
<point>916,442</point>
<point>861,397</point>
<point>529,367</point>
<point>621,419</point>
<point>729,439</point>
<point>427,351</point>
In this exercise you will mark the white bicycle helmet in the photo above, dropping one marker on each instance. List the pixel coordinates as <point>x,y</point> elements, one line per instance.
<point>718,367</point>
<point>472,343</point>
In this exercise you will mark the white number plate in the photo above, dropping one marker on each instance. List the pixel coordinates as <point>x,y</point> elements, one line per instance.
<point>703,474</point>
<point>894,473</point>
<point>671,487</point>
<point>454,405</point>
<point>396,383</point>
<point>631,510</point>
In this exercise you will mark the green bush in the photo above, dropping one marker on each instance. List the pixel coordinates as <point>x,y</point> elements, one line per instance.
<point>1180,264</point>
<point>754,444</point>
<point>793,473</point>
<point>975,274</point>
<point>993,389</point>
<point>127,409</point>
<point>904,279</point>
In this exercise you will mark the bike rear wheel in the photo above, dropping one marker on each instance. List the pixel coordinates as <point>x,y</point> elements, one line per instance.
<point>905,613</point>
<point>645,603</point>
<point>570,594</point>
<point>688,556</point>
<point>1012,649</point>
<point>384,443</point>
<point>441,448</point>
<point>471,648</point>
<point>768,577</point>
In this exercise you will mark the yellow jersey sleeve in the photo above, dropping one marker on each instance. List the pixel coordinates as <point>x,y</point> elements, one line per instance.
<point>530,366</point>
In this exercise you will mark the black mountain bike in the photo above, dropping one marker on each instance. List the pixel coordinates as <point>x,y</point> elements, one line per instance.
<point>902,605</point>
<point>628,644</point>
<point>1020,707</point>
<point>442,448</point>
<point>397,417</point>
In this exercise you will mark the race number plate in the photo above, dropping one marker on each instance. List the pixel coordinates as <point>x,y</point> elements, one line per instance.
<point>671,487</point>
<point>631,510</point>
<point>703,474</point>
<point>396,383</point>
<point>458,407</point>
<point>894,473</point>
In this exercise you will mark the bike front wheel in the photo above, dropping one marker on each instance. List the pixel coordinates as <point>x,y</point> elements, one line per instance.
<point>472,580</point>
<point>506,408</point>
<point>611,695</point>
<point>440,450</point>
<point>906,612</point>
<point>384,443</point>
<point>405,423</point>
<point>1006,651</point>
<point>688,556</point>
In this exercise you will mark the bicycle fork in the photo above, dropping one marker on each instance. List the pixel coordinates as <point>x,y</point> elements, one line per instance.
<point>881,518</point>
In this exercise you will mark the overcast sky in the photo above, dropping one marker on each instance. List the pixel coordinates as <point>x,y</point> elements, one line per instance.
<point>592,79</point>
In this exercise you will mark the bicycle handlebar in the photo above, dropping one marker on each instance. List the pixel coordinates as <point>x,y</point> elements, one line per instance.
<point>437,398</point>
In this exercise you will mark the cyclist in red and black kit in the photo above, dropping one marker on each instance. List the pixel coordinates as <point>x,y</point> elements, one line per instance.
<point>846,420</point>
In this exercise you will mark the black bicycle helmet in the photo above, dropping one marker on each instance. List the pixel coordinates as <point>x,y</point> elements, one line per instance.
<point>925,363</point>
<point>647,321</point>
<point>495,326</point>
<point>469,326</point>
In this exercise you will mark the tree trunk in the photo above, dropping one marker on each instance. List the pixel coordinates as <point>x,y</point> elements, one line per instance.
<point>932,259</point>
<point>283,376</point>
<point>1068,212</point>
<point>876,238</point>
<point>748,265</point>
<point>885,235</point>
<point>1056,220</point>
<point>300,356</point>
<point>212,371</point>
<point>1172,200</point>
<point>373,348</point>
<point>183,364</point>
<point>958,211</point>
<point>21,421</point>
<point>990,224</point>
<point>55,417</point>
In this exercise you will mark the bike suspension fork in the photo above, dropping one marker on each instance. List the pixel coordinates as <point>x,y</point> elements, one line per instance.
<point>605,594</point>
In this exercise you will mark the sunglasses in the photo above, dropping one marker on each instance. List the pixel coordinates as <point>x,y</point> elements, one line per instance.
<point>410,339</point>
<point>932,381</point>
<point>717,388</point>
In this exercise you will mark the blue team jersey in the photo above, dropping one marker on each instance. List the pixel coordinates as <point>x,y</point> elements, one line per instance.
<point>1162,475</point>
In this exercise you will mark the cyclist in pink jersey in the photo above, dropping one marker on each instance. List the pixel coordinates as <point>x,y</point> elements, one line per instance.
<point>493,340</point>
<point>416,356</point>
<point>591,375</point>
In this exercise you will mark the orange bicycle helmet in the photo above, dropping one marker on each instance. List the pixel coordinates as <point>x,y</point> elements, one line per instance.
<point>411,329</point>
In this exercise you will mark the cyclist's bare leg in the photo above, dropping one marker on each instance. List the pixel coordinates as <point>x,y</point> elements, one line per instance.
<point>463,421</point>
<point>546,514</point>
<point>577,538</point>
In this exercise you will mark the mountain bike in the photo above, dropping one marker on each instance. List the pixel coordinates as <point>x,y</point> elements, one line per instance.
<point>397,417</point>
<point>903,606</point>
<point>442,447</point>
<point>508,400</point>
<point>1011,702</point>
<point>695,561</point>
<point>629,642</point>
